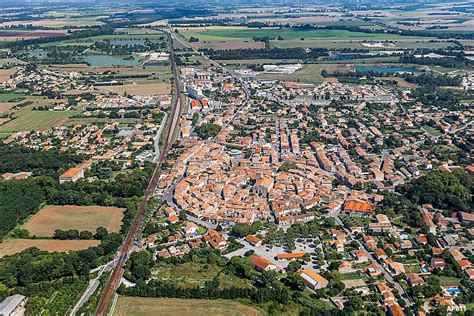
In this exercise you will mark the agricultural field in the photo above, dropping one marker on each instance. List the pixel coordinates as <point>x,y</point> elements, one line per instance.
<point>140,306</point>
<point>27,119</point>
<point>6,106</point>
<point>66,217</point>
<point>224,45</point>
<point>428,17</point>
<point>228,33</point>
<point>140,89</point>
<point>12,246</point>
<point>122,39</point>
<point>57,23</point>
<point>11,97</point>
<point>192,274</point>
<point>5,74</point>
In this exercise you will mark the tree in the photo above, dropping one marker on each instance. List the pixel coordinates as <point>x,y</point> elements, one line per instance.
<point>207,130</point>
<point>140,265</point>
<point>101,233</point>
<point>446,190</point>
<point>86,235</point>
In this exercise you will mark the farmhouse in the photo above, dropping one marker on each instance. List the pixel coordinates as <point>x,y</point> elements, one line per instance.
<point>312,279</point>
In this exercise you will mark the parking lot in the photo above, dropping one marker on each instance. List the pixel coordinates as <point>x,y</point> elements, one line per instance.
<point>270,253</point>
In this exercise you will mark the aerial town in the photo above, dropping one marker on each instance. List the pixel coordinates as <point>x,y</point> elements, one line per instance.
<point>317,162</point>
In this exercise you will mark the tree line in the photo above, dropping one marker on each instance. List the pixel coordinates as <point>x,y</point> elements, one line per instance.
<point>272,53</point>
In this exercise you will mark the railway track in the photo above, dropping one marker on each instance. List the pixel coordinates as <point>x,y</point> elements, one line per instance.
<point>117,272</point>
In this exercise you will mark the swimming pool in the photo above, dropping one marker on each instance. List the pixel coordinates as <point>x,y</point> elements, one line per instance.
<point>453,291</point>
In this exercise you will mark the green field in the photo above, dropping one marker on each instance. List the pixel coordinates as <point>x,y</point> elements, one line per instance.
<point>10,97</point>
<point>355,221</point>
<point>448,281</point>
<point>243,33</point>
<point>140,306</point>
<point>91,40</point>
<point>192,274</point>
<point>433,131</point>
<point>26,120</point>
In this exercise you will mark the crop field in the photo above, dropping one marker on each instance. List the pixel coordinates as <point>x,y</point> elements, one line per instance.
<point>245,33</point>
<point>27,119</point>
<point>6,106</point>
<point>10,97</point>
<point>66,217</point>
<point>57,23</point>
<point>141,306</point>
<point>13,246</point>
<point>140,89</point>
<point>5,74</point>
<point>113,37</point>
<point>224,45</point>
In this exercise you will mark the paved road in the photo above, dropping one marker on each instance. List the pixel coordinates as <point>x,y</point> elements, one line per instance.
<point>93,284</point>
<point>386,274</point>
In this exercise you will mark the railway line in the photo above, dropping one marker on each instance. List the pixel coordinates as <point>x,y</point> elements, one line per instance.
<point>117,272</point>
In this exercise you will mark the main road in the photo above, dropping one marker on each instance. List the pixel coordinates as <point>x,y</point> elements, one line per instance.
<point>127,245</point>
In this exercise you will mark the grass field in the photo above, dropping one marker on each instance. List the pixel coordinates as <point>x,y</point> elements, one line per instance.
<point>65,217</point>
<point>433,131</point>
<point>448,281</point>
<point>10,97</point>
<point>227,33</point>
<point>140,306</point>
<point>27,119</point>
<point>194,274</point>
<point>355,221</point>
<point>140,89</point>
<point>12,246</point>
